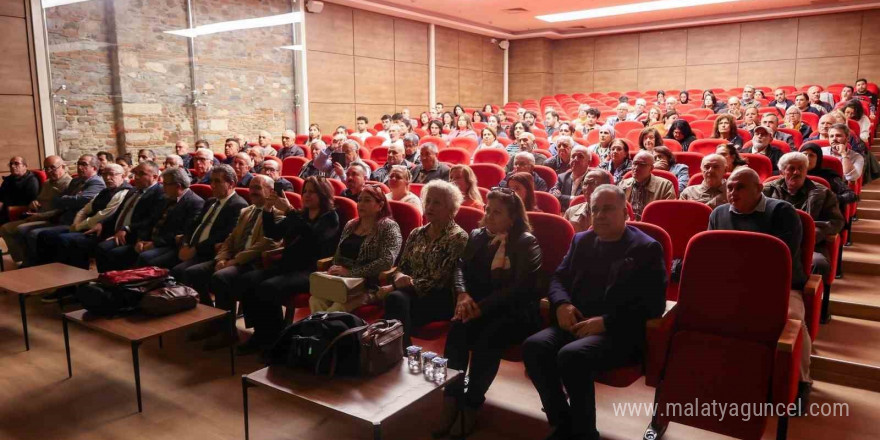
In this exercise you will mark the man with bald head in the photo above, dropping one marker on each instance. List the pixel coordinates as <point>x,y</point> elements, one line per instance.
<point>396,156</point>
<point>265,140</point>
<point>750,210</point>
<point>711,191</point>
<point>644,187</point>
<point>288,146</point>
<point>182,150</point>
<point>19,188</point>
<point>815,94</point>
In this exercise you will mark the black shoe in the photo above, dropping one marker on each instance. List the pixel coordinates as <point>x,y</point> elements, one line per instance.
<point>251,346</point>
<point>803,398</point>
<point>465,424</point>
<point>562,432</point>
<point>654,433</point>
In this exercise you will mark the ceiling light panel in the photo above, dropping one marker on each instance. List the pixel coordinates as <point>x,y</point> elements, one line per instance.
<point>632,8</point>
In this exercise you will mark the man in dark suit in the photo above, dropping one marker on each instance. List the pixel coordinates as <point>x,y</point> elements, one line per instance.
<point>430,168</point>
<point>570,183</point>
<point>217,220</point>
<point>132,221</point>
<point>612,281</point>
<point>242,163</point>
<point>182,208</point>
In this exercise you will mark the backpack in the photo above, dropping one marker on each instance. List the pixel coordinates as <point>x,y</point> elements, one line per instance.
<point>303,343</point>
<point>120,291</point>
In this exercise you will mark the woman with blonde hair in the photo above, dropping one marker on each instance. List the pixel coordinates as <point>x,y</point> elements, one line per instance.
<point>463,177</point>
<point>399,179</point>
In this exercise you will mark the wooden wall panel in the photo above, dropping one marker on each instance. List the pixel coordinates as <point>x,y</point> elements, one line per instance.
<point>331,31</point>
<point>373,35</point>
<point>574,55</point>
<point>621,80</point>
<point>826,70</point>
<point>18,123</point>
<point>493,58</point>
<point>661,78</point>
<point>870,44</point>
<point>869,67</point>
<point>446,47</point>
<point>767,73</point>
<point>470,51</point>
<point>529,85</point>
<point>768,40</point>
<point>662,49</point>
<point>411,83</point>
<point>410,41</point>
<point>15,69</point>
<point>493,88</point>
<point>616,52</point>
<point>713,44</point>
<point>329,116</point>
<point>12,8</point>
<point>447,86</point>
<point>711,75</point>
<point>531,56</point>
<point>331,77</point>
<point>470,87</point>
<point>829,35</point>
<point>372,85</point>
<point>576,82</point>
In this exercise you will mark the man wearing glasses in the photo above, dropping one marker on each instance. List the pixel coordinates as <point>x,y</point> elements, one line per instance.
<point>145,155</point>
<point>203,163</point>
<point>272,169</point>
<point>78,194</point>
<point>19,188</point>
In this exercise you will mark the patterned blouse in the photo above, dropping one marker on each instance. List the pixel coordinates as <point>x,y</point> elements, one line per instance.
<point>377,253</point>
<point>431,264</point>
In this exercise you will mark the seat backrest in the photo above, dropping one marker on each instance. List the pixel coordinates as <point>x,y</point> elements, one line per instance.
<point>41,176</point>
<point>703,125</point>
<point>338,186</point>
<point>681,219</point>
<point>382,186</point>
<point>301,139</point>
<point>295,199</point>
<point>407,217</point>
<point>554,235</point>
<point>296,181</point>
<point>548,174</point>
<point>691,159</point>
<point>465,143</point>
<point>328,139</point>
<point>627,126</point>
<point>454,155</point>
<point>379,155</point>
<point>662,237</point>
<point>718,299</point>
<point>202,190</point>
<point>811,119</point>
<point>798,137</point>
<point>760,163</point>
<point>373,142</point>
<point>291,166</point>
<point>705,146</point>
<point>488,174</point>
<point>245,193</point>
<point>439,142</point>
<point>547,202</point>
<point>498,156</point>
<point>346,209</point>
<point>469,218</point>
<point>672,144</point>
<point>832,163</point>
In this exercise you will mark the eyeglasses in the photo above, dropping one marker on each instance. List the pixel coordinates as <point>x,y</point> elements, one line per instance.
<point>83,164</point>
<point>50,169</point>
<point>15,164</point>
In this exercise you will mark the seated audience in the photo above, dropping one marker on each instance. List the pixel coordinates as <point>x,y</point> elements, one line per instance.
<point>272,169</point>
<point>309,169</point>
<point>650,138</point>
<point>182,150</point>
<point>202,164</point>
<point>325,162</point>
<point>600,319</point>
<point>515,130</point>
<point>618,162</point>
<point>242,164</point>
<point>853,110</point>
<point>435,128</point>
<point>398,181</point>
<point>230,148</point>
<point>665,160</point>
<point>463,177</point>
<point>656,119</point>
<point>216,221</point>
<point>411,149</point>
<point>622,110</point>
<point>265,144</point>
<point>429,167</point>
<point>749,210</point>
<point>712,190</point>
<point>19,188</point>
<point>734,107</point>
<point>603,147</point>
<point>570,183</point>
<point>367,247</point>
<point>104,158</point>
<point>182,207</point>
<point>356,177</point>
<point>639,112</point>
<point>816,102</point>
<point>463,128</point>
<point>362,125</point>
<point>761,145</point>
<point>489,139</point>
<point>863,93</point>
<point>125,163</point>
<point>563,129</point>
<point>526,143</point>
<point>496,306</point>
<point>771,122</point>
<point>239,253</point>
<point>780,101</point>
<point>725,128</point>
<point>146,154</point>
<point>523,185</point>
<point>845,194</point>
<point>289,147</point>
<point>802,102</point>
<point>395,133</point>
<point>731,156</point>
<point>853,162</point>
<point>711,102</point>
<point>132,221</point>
<point>174,161</point>
<point>587,119</point>
<point>748,97</point>
<point>396,156</point>
<point>644,187</point>
<point>681,131</point>
<point>524,162</point>
<point>256,155</point>
<point>315,133</point>
<point>420,289</point>
<point>551,123</point>
<point>824,127</point>
<point>561,161</point>
<point>579,215</point>
<point>750,119</point>
<point>794,122</point>
<point>495,124</point>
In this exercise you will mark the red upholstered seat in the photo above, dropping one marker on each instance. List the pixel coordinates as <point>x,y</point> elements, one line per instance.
<point>488,175</point>
<point>245,193</point>
<point>548,203</point>
<point>407,217</point>
<point>454,155</point>
<point>717,344</point>
<point>469,218</point>
<point>296,181</point>
<point>548,174</point>
<point>672,144</point>
<point>760,163</point>
<point>338,186</point>
<point>202,190</point>
<point>497,156</point>
<point>438,141</point>
<point>379,155</point>
<point>385,189</point>
<point>291,166</point>
<point>294,199</point>
<point>346,209</point>
<point>416,188</point>
<point>691,159</point>
<point>705,146</point>
<point>681,219</point>
<point>465,143</point>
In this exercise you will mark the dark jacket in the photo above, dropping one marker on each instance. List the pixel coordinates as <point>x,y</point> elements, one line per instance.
<point>283,184</point>
<point>562,190</point>
<point>512,292</point>
<point>425,176</point>
<point>540,184</point>
<point>813,199</point>
<point>146,213</point>
<point>178,221</point>
<point>305,241</point>
<point>556,163</point>
<point>18,191</point>
<point>245,181</point>
<point>222,227</point>
<point>78,194</point>
<point>634,290</point>
<point>292,151</point>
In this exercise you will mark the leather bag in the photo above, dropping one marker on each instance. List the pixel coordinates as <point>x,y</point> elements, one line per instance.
<point>380,343</point>
<point>169,299</point>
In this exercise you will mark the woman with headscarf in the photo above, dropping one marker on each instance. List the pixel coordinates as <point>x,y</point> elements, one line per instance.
<point>845,194</point>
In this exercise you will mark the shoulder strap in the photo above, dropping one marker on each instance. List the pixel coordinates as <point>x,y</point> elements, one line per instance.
<point>332,346</point>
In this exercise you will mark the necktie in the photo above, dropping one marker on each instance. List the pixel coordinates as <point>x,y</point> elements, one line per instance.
<point>207,220</point>
<point>161,223</point>
<point>249,228</point>
<point>120,222</point>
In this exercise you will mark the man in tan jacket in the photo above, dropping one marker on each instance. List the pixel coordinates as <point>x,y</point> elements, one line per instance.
<point>240,253</point>
<point>644,187</point>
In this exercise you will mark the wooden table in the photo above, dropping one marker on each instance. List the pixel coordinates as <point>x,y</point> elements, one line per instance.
<point>138,328</point>
<point>370,399</point>
<point>37,280</point>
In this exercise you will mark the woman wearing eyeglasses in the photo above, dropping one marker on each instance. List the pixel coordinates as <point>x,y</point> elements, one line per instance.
<point>496,305</point>
<point>19,188</point>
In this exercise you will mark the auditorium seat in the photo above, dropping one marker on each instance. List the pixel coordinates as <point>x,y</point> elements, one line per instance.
<point>439,142</point>
<point>296,181</point>
<point>454,155</point>
<point>672,144</point>
<point>547,202</point>
<point>407,217</point>
<point>760,163</point>
<point>379,155</point>
<point>338,186</point>
<point>692,160</point>
<point>381,186</point>
<point>465,143</point>
<point>488,175</point>
<point>245,193</point>
<point>497,156</point>
<point>291,166</point>
<point>627,126</point>
<point>294,198</point>
<point>469,218</point>
<point>705,146</point>
<point>202,190</point>
<point>548,174</point>
<point>373,142</point>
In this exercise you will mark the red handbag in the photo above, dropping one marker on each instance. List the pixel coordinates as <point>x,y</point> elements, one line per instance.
<point>132,276</point>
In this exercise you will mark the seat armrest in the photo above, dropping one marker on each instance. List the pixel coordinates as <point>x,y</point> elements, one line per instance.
<point>16,212</point>
<point>544,310</point>
<point>812,295</point>
<point>325,263</point>
<point>658,335</point>
<point>786,368</point>
<point>385,276</point>
<point>271,256</point>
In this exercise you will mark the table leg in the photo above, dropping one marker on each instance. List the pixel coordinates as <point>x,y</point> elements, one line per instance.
<point>67,346</point>
<point>21,305</point>
<point>160,341</point>
<point>137,372</point>
<point>377,431</point>
<point>244,392</point>
<point>232,331</point>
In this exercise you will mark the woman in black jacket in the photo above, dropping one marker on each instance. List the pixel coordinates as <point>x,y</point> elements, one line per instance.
<point>308,235</point>
<point>496,305</point>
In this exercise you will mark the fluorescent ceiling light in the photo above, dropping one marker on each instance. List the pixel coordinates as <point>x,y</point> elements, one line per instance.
<point>53,3</point>
<point>294,47</point>
<point>631,8</point>
<point>236,25</point>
